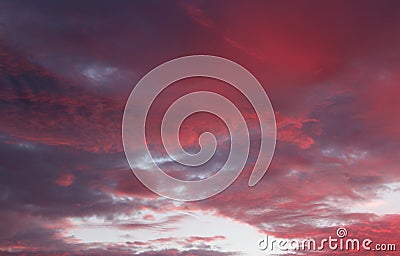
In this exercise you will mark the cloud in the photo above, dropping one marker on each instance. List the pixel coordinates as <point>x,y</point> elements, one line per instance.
<point>66,70</point>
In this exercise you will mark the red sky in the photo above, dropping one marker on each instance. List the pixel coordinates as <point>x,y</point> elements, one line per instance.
<point>67,68</point>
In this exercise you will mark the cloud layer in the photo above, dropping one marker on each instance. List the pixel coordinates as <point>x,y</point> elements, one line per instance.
<point>67,69</point>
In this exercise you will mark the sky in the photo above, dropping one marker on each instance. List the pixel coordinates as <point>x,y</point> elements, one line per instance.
<point>67,68</point>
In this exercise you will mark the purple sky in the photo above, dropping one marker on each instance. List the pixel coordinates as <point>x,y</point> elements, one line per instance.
<point>66,71</point>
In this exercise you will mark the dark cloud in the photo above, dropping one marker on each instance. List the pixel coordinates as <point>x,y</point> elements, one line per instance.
<point>67,68</point>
